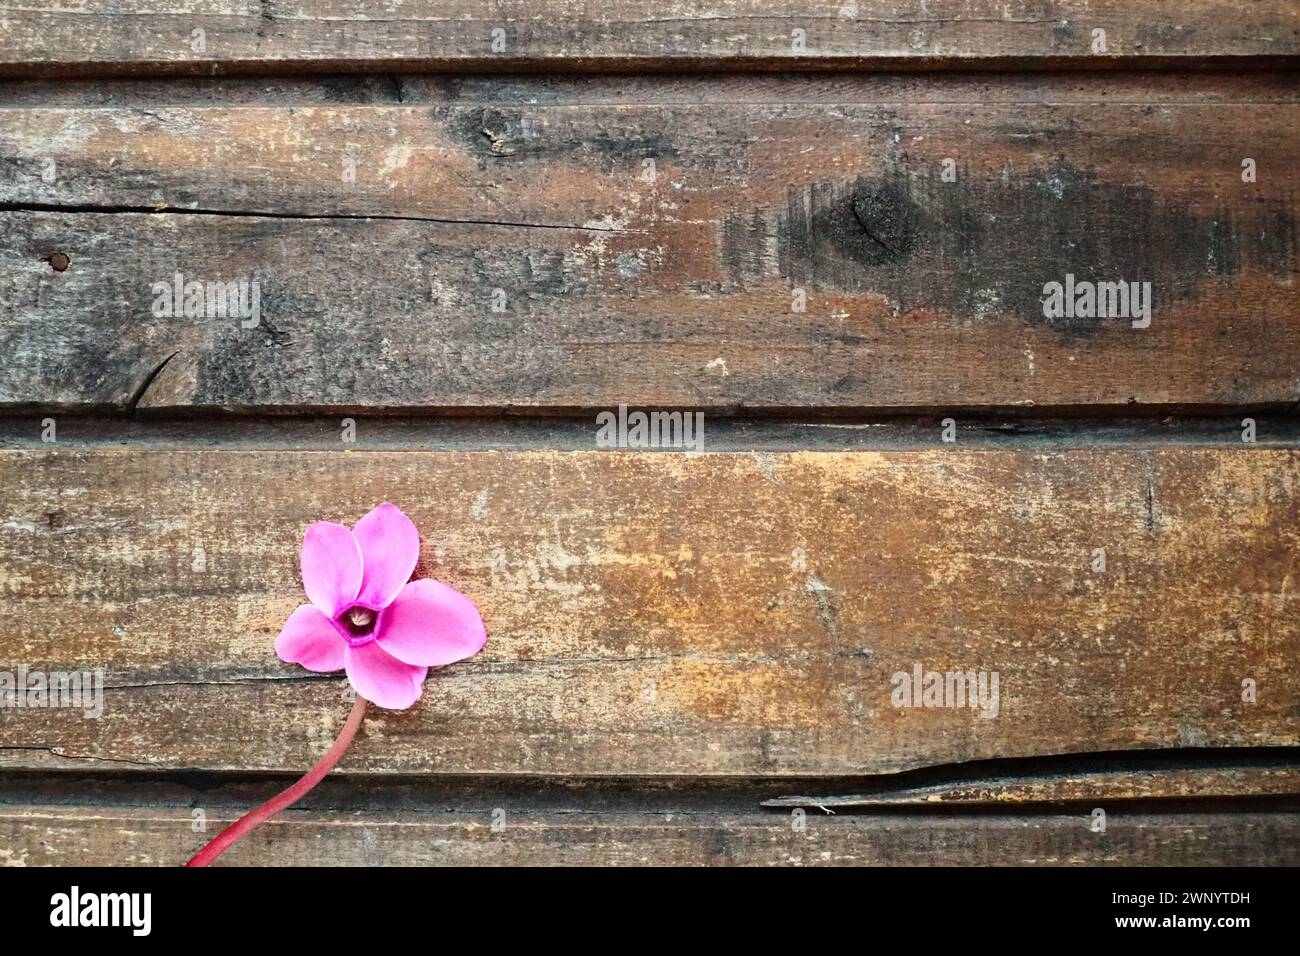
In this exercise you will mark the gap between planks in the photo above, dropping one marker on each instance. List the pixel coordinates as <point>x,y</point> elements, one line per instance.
<point>747,430</point>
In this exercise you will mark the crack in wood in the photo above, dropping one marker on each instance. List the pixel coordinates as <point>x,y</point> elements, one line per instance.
<point>149,379</point>
<point>60,752</point>
<point>166,210</point>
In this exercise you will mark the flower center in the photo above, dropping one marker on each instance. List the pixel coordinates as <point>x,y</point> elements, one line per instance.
<point>360,624</point>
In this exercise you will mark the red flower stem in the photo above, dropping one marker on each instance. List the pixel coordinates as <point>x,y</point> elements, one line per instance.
<point>237,830</point>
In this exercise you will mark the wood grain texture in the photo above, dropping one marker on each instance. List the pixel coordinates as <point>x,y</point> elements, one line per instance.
<point>136,37</point>
<point>563,88</point>
<point>662,615</point>
<point>377,292</point>
<point>96,836</point>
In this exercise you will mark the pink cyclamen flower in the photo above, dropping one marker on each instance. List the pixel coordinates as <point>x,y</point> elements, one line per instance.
<point>368,618</point>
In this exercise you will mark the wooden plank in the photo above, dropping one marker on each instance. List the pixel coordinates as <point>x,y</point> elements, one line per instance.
<point>663,615</point>
<point>576,89</point>
<point>100,36</point>
<point>380,291</point>
<point>117,836</point>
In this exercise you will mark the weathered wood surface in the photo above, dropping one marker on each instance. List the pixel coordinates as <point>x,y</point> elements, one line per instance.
<point>235,36</point>
<point>117,836</point>
<point>378,291</point>
<point>1107,785</point>
<point>657,614</point>
<point>1143,87</point>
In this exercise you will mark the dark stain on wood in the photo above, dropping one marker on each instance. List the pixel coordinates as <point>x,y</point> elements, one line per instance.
<point>977,248</point>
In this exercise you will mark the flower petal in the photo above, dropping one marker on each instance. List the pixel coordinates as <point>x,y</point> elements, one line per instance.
<point>383,679</point>
<point>331,567</point>
<point>390,547</point>
<point>431,624</point>
<point>310,639</point>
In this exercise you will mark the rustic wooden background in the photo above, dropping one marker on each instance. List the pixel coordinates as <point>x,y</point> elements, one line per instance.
<point>684,651</point>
